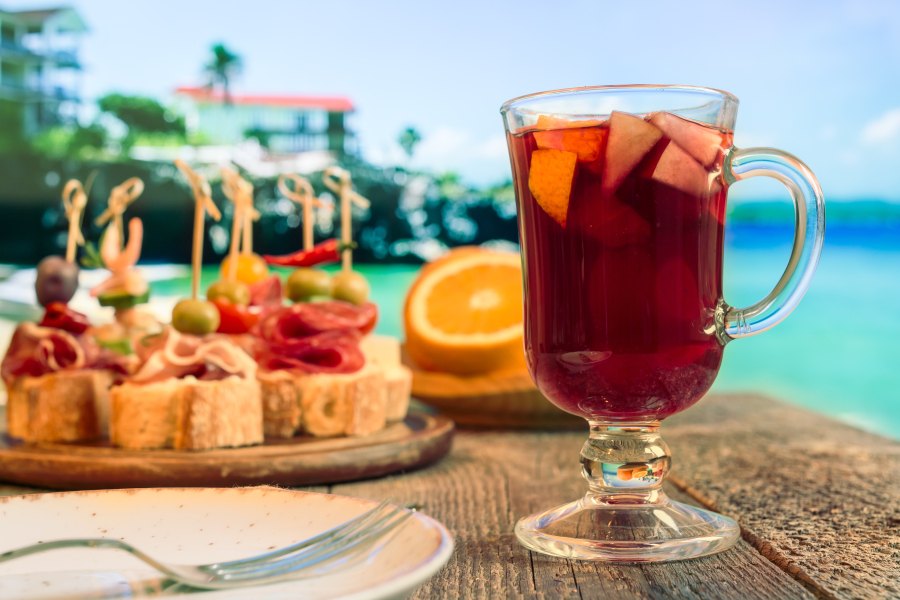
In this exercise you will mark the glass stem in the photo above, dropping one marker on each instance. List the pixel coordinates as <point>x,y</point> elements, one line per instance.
<point>625,463</point>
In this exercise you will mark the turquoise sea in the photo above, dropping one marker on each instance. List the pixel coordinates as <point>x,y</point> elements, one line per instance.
<point>836,354</point>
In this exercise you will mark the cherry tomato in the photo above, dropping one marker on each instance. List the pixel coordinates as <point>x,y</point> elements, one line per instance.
<point>235,318</point>
<point>250,268</point>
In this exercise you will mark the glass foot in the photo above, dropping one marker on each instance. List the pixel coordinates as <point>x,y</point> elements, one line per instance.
<point>609,528</point>
<point>625,516</point>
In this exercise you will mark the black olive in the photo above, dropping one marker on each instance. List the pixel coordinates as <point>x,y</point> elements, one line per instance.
<point>57,280</point>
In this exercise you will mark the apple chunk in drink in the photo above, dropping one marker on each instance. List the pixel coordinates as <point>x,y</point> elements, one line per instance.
<point>621,230</point>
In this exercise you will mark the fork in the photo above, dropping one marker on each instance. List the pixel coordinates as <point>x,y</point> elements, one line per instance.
<point>305,558</point>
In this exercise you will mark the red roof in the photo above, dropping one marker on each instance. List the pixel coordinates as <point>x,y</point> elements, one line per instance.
<point>327,103</point>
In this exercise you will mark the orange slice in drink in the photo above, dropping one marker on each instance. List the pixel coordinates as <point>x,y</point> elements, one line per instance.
<point>464,313</point>
<point>550,181</point>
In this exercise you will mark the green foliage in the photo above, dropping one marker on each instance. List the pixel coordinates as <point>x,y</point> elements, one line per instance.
<point>223,66</point>
<point>502,193</point>
<point>142,115</point>
<point>408,139</point>
<point>261,135</point>
<point>72,141</point>
<point>159,140</point>
<point>91,258</point>
<point>12,124</point>
<point>450,186</point>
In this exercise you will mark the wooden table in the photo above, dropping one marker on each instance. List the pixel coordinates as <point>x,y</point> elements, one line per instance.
<point>818,503</point>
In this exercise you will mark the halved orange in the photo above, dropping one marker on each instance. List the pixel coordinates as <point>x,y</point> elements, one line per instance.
<point>464,313</point>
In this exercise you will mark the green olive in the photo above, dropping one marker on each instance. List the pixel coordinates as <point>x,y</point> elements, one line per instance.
<point>350,286</point>
<point>304,283</point>
<point>236,291</point>
<point>195,316</point>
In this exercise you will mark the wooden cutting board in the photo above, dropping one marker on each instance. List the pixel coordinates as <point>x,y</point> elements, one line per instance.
<point>507,399</point>
<point>418,440</point>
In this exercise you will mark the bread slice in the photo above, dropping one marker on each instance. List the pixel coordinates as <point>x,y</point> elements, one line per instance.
<point>384,351</point>
<point>280,403</point>
<point>398,381</point>
<point>324,404</point>
<point>351,404</point>
<point>65,406</point>
<point>186,414</point>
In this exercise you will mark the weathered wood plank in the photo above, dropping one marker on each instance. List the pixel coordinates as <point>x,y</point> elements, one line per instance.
<point>818,498</point>
<point>489,480</point>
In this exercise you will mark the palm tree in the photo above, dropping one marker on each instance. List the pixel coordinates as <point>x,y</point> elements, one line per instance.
<point>221,69</point>
<point>408,139</point>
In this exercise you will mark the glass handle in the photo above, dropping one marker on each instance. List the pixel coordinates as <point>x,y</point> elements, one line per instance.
<point>809,235</point>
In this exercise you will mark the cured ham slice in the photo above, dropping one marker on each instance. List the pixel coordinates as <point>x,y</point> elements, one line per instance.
<point>266,292</point>
<point>316,337</point>
<point>36,351</point>
<point>174,355</point>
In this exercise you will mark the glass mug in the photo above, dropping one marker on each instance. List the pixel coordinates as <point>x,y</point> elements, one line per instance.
<point>621,194</point>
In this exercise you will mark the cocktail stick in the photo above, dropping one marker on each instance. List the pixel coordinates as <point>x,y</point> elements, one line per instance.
<point>304,196</point>
<point>338,181</point>
<point>203,203</point>
<point>240,191</point>
<point>74,201</point>
<point>119,198</point>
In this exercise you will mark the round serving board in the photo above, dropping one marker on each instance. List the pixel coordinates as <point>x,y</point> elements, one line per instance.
<point>507,399</point>
<point>416,441</point>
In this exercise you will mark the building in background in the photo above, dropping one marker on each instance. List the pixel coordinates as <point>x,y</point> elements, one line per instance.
<point>282,124</point>
<point>39,68</point>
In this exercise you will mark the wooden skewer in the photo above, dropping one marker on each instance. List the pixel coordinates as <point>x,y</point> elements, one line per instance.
<point>303,195</point>
<point>119,199</point>
<point>203,203</point>
<point>338,181</point>
<point>74,201</point>
<point>240,191</point>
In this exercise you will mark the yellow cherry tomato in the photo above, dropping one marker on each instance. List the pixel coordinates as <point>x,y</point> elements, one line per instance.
<point>251,268</point>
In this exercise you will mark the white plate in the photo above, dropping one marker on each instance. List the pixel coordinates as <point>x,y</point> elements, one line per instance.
<point>198,526</point>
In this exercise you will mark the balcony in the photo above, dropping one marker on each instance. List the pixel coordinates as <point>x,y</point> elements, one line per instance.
<point>10,50</point>
<point>17,91</point>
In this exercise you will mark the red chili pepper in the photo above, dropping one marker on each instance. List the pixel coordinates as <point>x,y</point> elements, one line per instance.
<point>234,318</point>
<point>60,316</point>
<point>324,252</point>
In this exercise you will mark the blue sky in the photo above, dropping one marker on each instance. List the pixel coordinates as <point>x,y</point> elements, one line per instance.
<point>818,79</point>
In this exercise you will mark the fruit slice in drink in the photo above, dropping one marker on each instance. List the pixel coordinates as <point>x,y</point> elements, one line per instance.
<point>550,180</point>
<point>702,143</point>
<point>676,168</point>
<point>630,140</point>
<point>583,138</point>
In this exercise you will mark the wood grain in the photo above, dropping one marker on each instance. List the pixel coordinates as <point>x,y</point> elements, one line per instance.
<point>418,440</point>
<point>818,503</point>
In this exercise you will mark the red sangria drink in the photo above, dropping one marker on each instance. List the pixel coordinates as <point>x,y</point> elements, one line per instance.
<point>621,196</point>
<point>621,224</point>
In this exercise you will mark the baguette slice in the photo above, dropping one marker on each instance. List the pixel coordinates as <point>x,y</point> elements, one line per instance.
<point>398,381</point>
<point>280,403</point>
<point>186,414</point>
<point>66,406</point>
<point>324,404</point>
<point>351,404</point>
<point>384,350</point>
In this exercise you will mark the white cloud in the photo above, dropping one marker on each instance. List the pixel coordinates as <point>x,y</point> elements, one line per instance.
<point>883,129</point>
<point>443,146</point>
<point>479,159</point>
<point>493,148</point>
